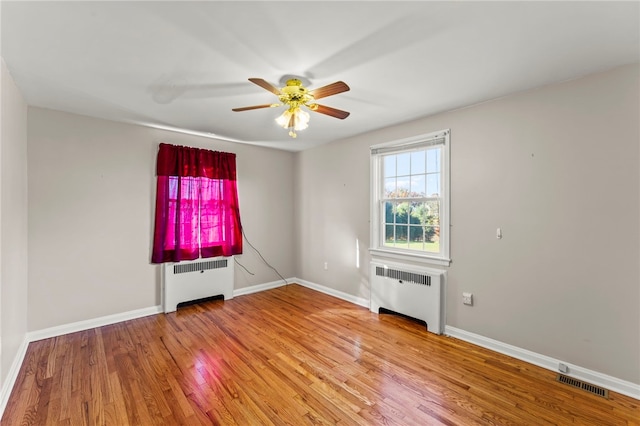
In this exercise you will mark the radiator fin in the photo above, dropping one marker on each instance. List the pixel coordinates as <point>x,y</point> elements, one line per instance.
<point>182,268</point>
<point>403,276</point>
<point>596,390</point>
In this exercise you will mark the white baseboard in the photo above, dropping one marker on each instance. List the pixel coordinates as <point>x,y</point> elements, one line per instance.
<point>125,316</point>
<point>333,292</point>
<point>317,287</point>
<point>261,287</point>
<point>12,376</point>
<point>91,323</point>
<point>608,382</point>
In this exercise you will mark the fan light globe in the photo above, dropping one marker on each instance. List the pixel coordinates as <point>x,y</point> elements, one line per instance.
<point>294,119</point>
<point>302,119</point>
<point>283,120</point>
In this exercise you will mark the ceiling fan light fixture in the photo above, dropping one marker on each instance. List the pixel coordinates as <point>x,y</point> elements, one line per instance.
<point>294,119</point>
<point>295,95</point>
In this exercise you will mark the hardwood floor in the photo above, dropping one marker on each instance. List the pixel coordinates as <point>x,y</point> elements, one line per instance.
<point>289,356</point>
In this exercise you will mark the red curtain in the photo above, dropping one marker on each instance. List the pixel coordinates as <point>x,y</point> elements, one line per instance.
<point>197,211</point>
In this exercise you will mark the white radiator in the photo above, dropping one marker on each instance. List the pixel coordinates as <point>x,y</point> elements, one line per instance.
<point>197,279</point>
<point>409,290</point>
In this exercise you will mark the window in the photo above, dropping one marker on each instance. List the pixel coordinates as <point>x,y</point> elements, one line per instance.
<point>197,213</point>
<point>410,195</point>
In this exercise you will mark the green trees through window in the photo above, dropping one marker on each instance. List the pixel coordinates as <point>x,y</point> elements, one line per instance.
<point>411,196</point>
<point>414,225</point>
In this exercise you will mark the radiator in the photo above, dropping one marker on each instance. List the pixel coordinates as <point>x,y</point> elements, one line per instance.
<point>409,290</point>
<point>198,279</point>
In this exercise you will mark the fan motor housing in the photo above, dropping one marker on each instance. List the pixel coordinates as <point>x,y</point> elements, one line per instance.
<point>295,93</point>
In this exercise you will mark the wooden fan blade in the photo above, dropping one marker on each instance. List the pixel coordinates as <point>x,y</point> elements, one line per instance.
<point>331,89</point>
<point>265,85</point>
<point>255,107</point>
<point>337,113</point>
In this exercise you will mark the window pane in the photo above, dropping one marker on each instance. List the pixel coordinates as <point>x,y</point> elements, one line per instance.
<point>418,186</point>
<point>435,237</point>
<point>403,186</point>
<point>416,234</point>
<point>402,233</point>
<point>433,160</point>
<point>430,234</point>
<point>402,213</point>
<point>389,166</point>
<point>434,212</point>
<point>420,213</point>
<point>432,239</point>
<point>433,185</point>
<point>390,187</point>
<point>389,213</point>
<point>404,164</point>
<point>433,220</point>
<point>417,162</point>
<point>389,236</point>
<point>414,213</point>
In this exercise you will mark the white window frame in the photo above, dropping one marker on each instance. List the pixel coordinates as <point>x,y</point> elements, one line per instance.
<point>419,142</point>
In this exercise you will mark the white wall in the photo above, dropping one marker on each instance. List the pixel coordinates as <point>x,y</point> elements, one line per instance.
<point>91,210</point>
<point>13,222</point>
<point>558,170</point>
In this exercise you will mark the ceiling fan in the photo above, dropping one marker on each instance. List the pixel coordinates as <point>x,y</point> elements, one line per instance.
<point>294,95</point>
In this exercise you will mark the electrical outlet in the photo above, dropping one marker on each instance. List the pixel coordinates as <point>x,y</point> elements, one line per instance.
<point>326,266</point>
<point>467,299</point>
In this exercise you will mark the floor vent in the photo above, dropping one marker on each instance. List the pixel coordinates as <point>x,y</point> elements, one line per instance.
<point>596,390</point>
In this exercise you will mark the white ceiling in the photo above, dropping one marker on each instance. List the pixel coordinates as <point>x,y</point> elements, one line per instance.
<point>185,64</point>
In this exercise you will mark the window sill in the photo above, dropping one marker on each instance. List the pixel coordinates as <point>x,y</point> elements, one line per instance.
<point>397,255</point>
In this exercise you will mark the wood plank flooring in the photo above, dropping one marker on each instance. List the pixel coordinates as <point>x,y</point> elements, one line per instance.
<point>289,356</point>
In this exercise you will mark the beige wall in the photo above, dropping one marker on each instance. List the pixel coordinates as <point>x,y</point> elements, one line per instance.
<point>558,170</point>
<point>91,203</point>
<point>13,221</point>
